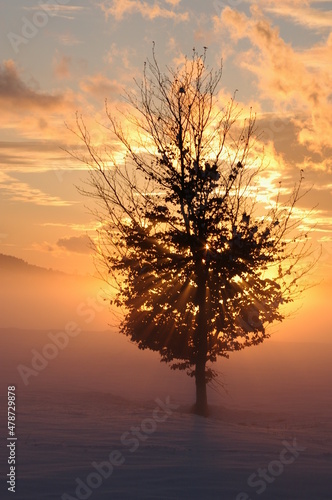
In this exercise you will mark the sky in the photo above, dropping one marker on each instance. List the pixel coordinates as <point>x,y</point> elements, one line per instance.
<point>59,58</point>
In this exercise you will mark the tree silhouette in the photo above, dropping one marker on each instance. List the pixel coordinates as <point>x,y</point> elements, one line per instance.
<point>199,267</point>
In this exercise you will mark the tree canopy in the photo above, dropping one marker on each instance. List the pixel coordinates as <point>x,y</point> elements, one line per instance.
<point>199,264</point>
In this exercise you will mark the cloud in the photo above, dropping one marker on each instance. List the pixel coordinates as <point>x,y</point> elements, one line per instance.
<point>28,112</point>
<point>69,39</point>
<point>61,67</point>
<point>35,156</point>
<point>15,93</point>
<point>92,226</point>
<point>284,76</point>
<point>121,56</point>
<point>78,244</point>
<point>100,87</point>
<point>16,190</point>
<point>319,56</point>
<point>119,8</point>
<point>57,10</point>
<point>74,244</point>
<point>300,12</point>
<point>44,247</point>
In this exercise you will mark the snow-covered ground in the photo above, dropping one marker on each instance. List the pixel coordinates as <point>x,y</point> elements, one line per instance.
<point>105,421</point>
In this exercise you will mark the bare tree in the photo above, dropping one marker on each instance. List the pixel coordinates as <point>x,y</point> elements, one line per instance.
<point>199,267</point>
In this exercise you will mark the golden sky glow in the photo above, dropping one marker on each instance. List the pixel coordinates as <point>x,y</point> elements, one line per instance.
<point>56,60</point>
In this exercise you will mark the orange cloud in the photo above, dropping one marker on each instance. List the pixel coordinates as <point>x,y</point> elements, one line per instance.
<point>19,98</point>
<point>301,13</point>
<point>121,56</point>
<point>20,191</point>
<point>285,76</point>
<point>77,244</point>
<point>62,67</point>
<point>44,247</point>
<point>28,112</point>
<point>119,8</point>
<point>100,87</point>
<point>14,92</point>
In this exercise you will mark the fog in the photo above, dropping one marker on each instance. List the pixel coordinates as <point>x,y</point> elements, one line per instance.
<point>32,297</point>
<point>56,327</point>
<point>277,374</point>
<point>81,387</point>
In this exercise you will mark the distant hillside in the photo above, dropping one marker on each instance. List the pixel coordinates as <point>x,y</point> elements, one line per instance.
<point>33,297</point>
<point>9,263</point>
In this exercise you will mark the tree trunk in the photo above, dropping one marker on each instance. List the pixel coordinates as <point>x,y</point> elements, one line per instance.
<point>201,406</point>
